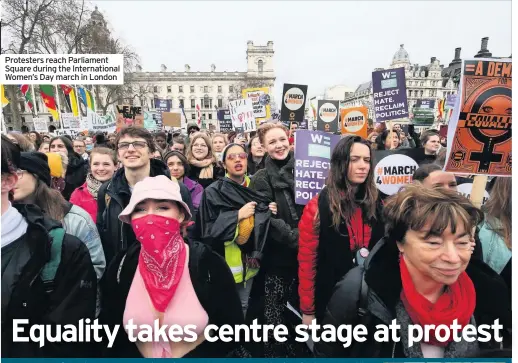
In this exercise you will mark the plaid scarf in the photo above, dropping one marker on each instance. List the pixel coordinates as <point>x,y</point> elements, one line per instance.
<point>93,185</point>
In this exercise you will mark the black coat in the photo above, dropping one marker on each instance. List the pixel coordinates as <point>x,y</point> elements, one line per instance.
<point>277,184</point>
<point>335,257</point>
<point>218,213</point>
<point>77,169</point>
<point>115,235</point>
<point>194,174</point>
<point>252,166</point>
<point>383,281</point>
<point>24,295</point>
<point>212,281</point>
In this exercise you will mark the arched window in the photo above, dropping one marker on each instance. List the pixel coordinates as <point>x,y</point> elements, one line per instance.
<point>260,66</point>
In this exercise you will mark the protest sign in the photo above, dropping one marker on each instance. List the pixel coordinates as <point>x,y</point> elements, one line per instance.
<point>150,122</point>
<point>395,168</point>
<point>293,102</point>
<point>313,151</point>
<point>327,115</point>
<point>303,125</point>
<point>161,106</point>
<point>389,94</point>
<point>450,102</point>
<point>129,116</point>
<point>69,131</point>
<point>172,119</point>
<point>242,115</point>
<point>479,132</point>
<point>65,119</point>
<point>225,121</point>
<point>260,102</point>
<point>354,121</point>
<point>421,103</point>
<point>40,124</point>
<point>100,123</point>
<point>465,187</point>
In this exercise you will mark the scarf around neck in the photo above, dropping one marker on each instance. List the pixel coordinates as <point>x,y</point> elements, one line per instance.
<point>206,165</point>
<point>13,226</point>
<point>93,185</point>
<point>457,302</point>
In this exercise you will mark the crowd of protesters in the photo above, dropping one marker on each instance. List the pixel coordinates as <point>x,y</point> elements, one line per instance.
<point>203,228</point>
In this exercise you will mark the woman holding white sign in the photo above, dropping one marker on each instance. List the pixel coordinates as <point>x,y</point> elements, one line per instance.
<point>421,277</point>
<point>339,226</point>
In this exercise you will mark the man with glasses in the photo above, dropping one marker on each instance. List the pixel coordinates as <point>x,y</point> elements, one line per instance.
<point>135,147</point>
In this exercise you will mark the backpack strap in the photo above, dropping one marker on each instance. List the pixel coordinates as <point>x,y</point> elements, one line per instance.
<point>48,273</point>
<point>364,317</point>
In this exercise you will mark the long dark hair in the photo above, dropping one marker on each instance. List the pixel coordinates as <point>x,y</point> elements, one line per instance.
<point>343,196</point>
<point>68,144</point>
<point>50,201</point>
<point>498,209</point>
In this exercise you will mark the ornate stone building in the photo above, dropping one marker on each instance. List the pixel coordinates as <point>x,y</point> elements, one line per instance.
<point>430,81</point>
<point>208,89</point>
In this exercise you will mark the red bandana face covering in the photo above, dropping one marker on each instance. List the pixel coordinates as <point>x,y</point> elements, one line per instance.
<point>162,257</point>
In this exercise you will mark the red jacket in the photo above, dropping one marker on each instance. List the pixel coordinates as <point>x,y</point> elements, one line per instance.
<point>322,265</point>
<point>308,245</point>
<point>82,198</point>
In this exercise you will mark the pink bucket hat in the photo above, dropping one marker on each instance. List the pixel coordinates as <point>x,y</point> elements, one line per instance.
<point>158,188</point>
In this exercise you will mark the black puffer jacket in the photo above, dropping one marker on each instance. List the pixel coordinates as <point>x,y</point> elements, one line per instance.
<point>382,289</point>
<point>277,184</point>
<point>212,281</point>
<point>24,295</point>
<point>113,197</point>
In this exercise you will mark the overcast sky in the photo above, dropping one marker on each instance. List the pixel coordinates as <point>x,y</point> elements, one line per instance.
<point>320,44</point>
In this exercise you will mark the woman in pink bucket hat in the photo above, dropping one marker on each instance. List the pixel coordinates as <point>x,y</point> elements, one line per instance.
<point>167,278</point>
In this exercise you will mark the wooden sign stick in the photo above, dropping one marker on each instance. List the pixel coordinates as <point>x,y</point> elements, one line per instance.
<point>478,189</point>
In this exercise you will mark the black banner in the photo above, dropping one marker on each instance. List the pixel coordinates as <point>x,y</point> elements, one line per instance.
<point>327,115</point>
<point>293,102</point>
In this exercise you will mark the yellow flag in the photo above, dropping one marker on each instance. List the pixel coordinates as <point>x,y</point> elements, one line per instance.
<point>5,101</point>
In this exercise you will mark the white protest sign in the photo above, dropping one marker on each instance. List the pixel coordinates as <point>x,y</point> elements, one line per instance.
<point>242,115</point>
<point>101,123</point>
<point>393,172</point>
<point>40,124</point>
<point>466,188</point>
<point>70,132</point>
<point>70,121</point>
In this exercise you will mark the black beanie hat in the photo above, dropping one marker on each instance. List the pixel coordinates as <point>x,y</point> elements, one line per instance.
<point>36,163</point>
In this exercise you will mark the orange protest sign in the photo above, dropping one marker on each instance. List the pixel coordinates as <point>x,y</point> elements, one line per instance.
<point>481,137</point>
<point>354,121</point>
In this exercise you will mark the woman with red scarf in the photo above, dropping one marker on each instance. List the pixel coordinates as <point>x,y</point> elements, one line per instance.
<point>168,279</point>
<point>422,274</point>
<point>339,226</point>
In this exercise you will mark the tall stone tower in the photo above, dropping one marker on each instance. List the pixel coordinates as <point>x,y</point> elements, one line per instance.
<point>260,60</point>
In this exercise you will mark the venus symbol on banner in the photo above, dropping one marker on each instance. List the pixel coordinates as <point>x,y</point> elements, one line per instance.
<point>242,114</point>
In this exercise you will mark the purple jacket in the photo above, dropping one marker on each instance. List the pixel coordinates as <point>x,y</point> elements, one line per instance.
<point>196,191</point>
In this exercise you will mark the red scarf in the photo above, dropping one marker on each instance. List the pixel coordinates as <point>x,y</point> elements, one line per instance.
<point>162,257</point>
<point>359,233</point>
<point>457,302</point>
